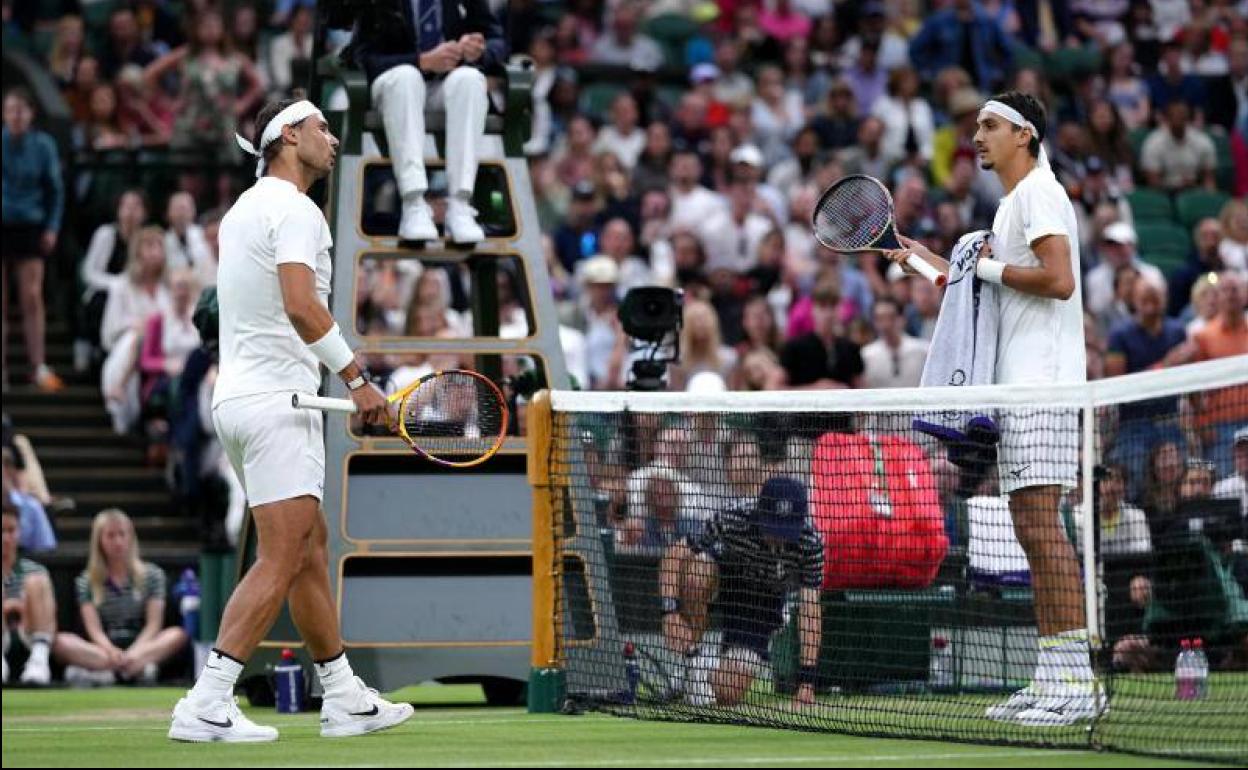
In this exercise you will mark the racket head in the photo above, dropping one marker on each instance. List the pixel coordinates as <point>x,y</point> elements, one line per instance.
<point>456,418</point>
<point>855,214</point>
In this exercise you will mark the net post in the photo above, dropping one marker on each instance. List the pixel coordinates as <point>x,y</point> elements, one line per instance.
<point>546,677</point>
<point>1090,523</point>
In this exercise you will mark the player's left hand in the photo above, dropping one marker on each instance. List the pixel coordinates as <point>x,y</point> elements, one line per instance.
<point>805,695</point>
<point>472,46</point>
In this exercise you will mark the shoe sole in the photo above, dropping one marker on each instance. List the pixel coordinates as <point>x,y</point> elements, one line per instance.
<point>186,735</point>
<point>371,725</point>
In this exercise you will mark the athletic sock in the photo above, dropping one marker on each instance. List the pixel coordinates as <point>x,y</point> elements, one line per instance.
<point>40,645</point>
<point>1065,660</point>
<point>337,678</point>
<point>217,680</point>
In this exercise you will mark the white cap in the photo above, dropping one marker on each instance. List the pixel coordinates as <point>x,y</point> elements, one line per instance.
<point>703,72</point>
<point>1120,232</point>
<point>1241,434</point>
<point>747,154</point>
<point>600,269</point>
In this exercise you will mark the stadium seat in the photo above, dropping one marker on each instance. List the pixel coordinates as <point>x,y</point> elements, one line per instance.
<point>1194,205</point>
<point>1067,64</point>
<point>596,98</point>
<point>671,28</point>
<point>1149,205</point>
<point>1225,170</point>
<point>1163,244</point>
<point>1136,137</point>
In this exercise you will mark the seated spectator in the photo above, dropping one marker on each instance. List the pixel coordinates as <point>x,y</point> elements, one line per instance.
<point>37,532</point>
<point>701,347</point>
<point>1236,484</point>
<point>781,21</point>
<point>776,115</point>
<point>292,45</point>
<point>121,600</point>
<point>659,514</point>
<point>1178,155</point>
<point>732,236</point>
<point>623,45</point>
<point>102,129</point>
<point>1203,307</point>
<point>29,605</point>
<point>1126,90</point>
<point>105,262</point>
<point>956,139</point>
<point>1117,249</point>
<point>1228,100</point>
<point>145,112</point>
<point>140,295</point>
<point>1150,340</point>
<point>185,244</point>
<point>837,126</point>
<point>732,86</point>
<point>908,124</point>
<point>652,165</point>
<point>1171,82</point>
<point>125,44</point>
<point>78,93</point>
<point>869,155</point>
<point>1162,475</point>
<point>68,48</point>
<point>823,358</point>
<point>1233,249</point>
<point>692,204</point>
<point>623,136</point>
<point>1203,259</point>
<point>1124,527</point>
<point>573,155</point>
<point>867,78</point>
<point>873,27</point>
<point>943,41</point>
<point>894,359</point>
<point>1219,413</point>
<point>169,339</point>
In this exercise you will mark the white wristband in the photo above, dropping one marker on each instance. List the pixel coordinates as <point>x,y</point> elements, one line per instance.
<point>989,270</point>
<point>333,351</point>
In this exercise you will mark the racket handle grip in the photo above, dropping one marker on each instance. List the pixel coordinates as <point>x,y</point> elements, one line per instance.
<point>304,401</point>
<point>926,269</point>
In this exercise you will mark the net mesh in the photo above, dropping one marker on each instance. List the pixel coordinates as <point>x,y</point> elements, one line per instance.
<point>853,214</point>
<point>913,563</point>
<point>454,414</point>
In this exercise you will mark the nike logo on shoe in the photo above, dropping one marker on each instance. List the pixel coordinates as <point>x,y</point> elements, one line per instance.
<point>227,724</point>
<point>371,713</point>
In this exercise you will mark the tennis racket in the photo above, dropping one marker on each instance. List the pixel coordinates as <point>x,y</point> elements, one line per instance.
<point>456,418</point>
<point>856,214</point>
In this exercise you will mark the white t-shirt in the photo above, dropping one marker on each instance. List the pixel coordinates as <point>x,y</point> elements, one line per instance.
<point>691,210</point>
<point>1129,534</point>
<point>271,224</point>
<point>888,368</point>
<point>1040,340</point>
<point>1232,487</point>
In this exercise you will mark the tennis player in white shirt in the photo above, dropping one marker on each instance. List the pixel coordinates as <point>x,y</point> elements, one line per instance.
<point>1040,340</point>
<point>276,332</point>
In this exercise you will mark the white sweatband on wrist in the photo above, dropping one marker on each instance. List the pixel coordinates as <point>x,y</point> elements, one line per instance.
<point>990,270</point>
<point>333,351</point>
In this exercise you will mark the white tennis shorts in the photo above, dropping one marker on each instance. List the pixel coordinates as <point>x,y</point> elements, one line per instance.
<point>1039,447</point>
<point>277,451</point>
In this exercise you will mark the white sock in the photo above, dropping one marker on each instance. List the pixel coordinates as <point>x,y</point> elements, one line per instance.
<point>40,644</point>
<point>336,675</point>
<point>217,680</point>
<point>1065,659</point>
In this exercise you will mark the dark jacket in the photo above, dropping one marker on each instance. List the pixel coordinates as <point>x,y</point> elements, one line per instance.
<point>385,36</point>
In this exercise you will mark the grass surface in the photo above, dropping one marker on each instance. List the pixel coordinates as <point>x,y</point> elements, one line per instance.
<point>453,728</point>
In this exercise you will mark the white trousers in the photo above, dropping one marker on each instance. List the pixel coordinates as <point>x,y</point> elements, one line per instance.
<point>401,95</point>
<point>120,375</point>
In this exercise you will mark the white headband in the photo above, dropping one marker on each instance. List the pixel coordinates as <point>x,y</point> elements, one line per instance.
<point>299,111</point>
<point>1014,116</point>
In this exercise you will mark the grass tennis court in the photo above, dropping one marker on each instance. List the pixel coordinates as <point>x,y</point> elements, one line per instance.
<point>453,728</point>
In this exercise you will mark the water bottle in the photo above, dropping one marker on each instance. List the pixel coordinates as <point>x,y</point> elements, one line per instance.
<point>589,244</point>
<point>1185,673</point>
<point>186,592</point>
<point>632,671</point>
<point>1200,668</point>
<point>940,672</point>
<point>288,684</point>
